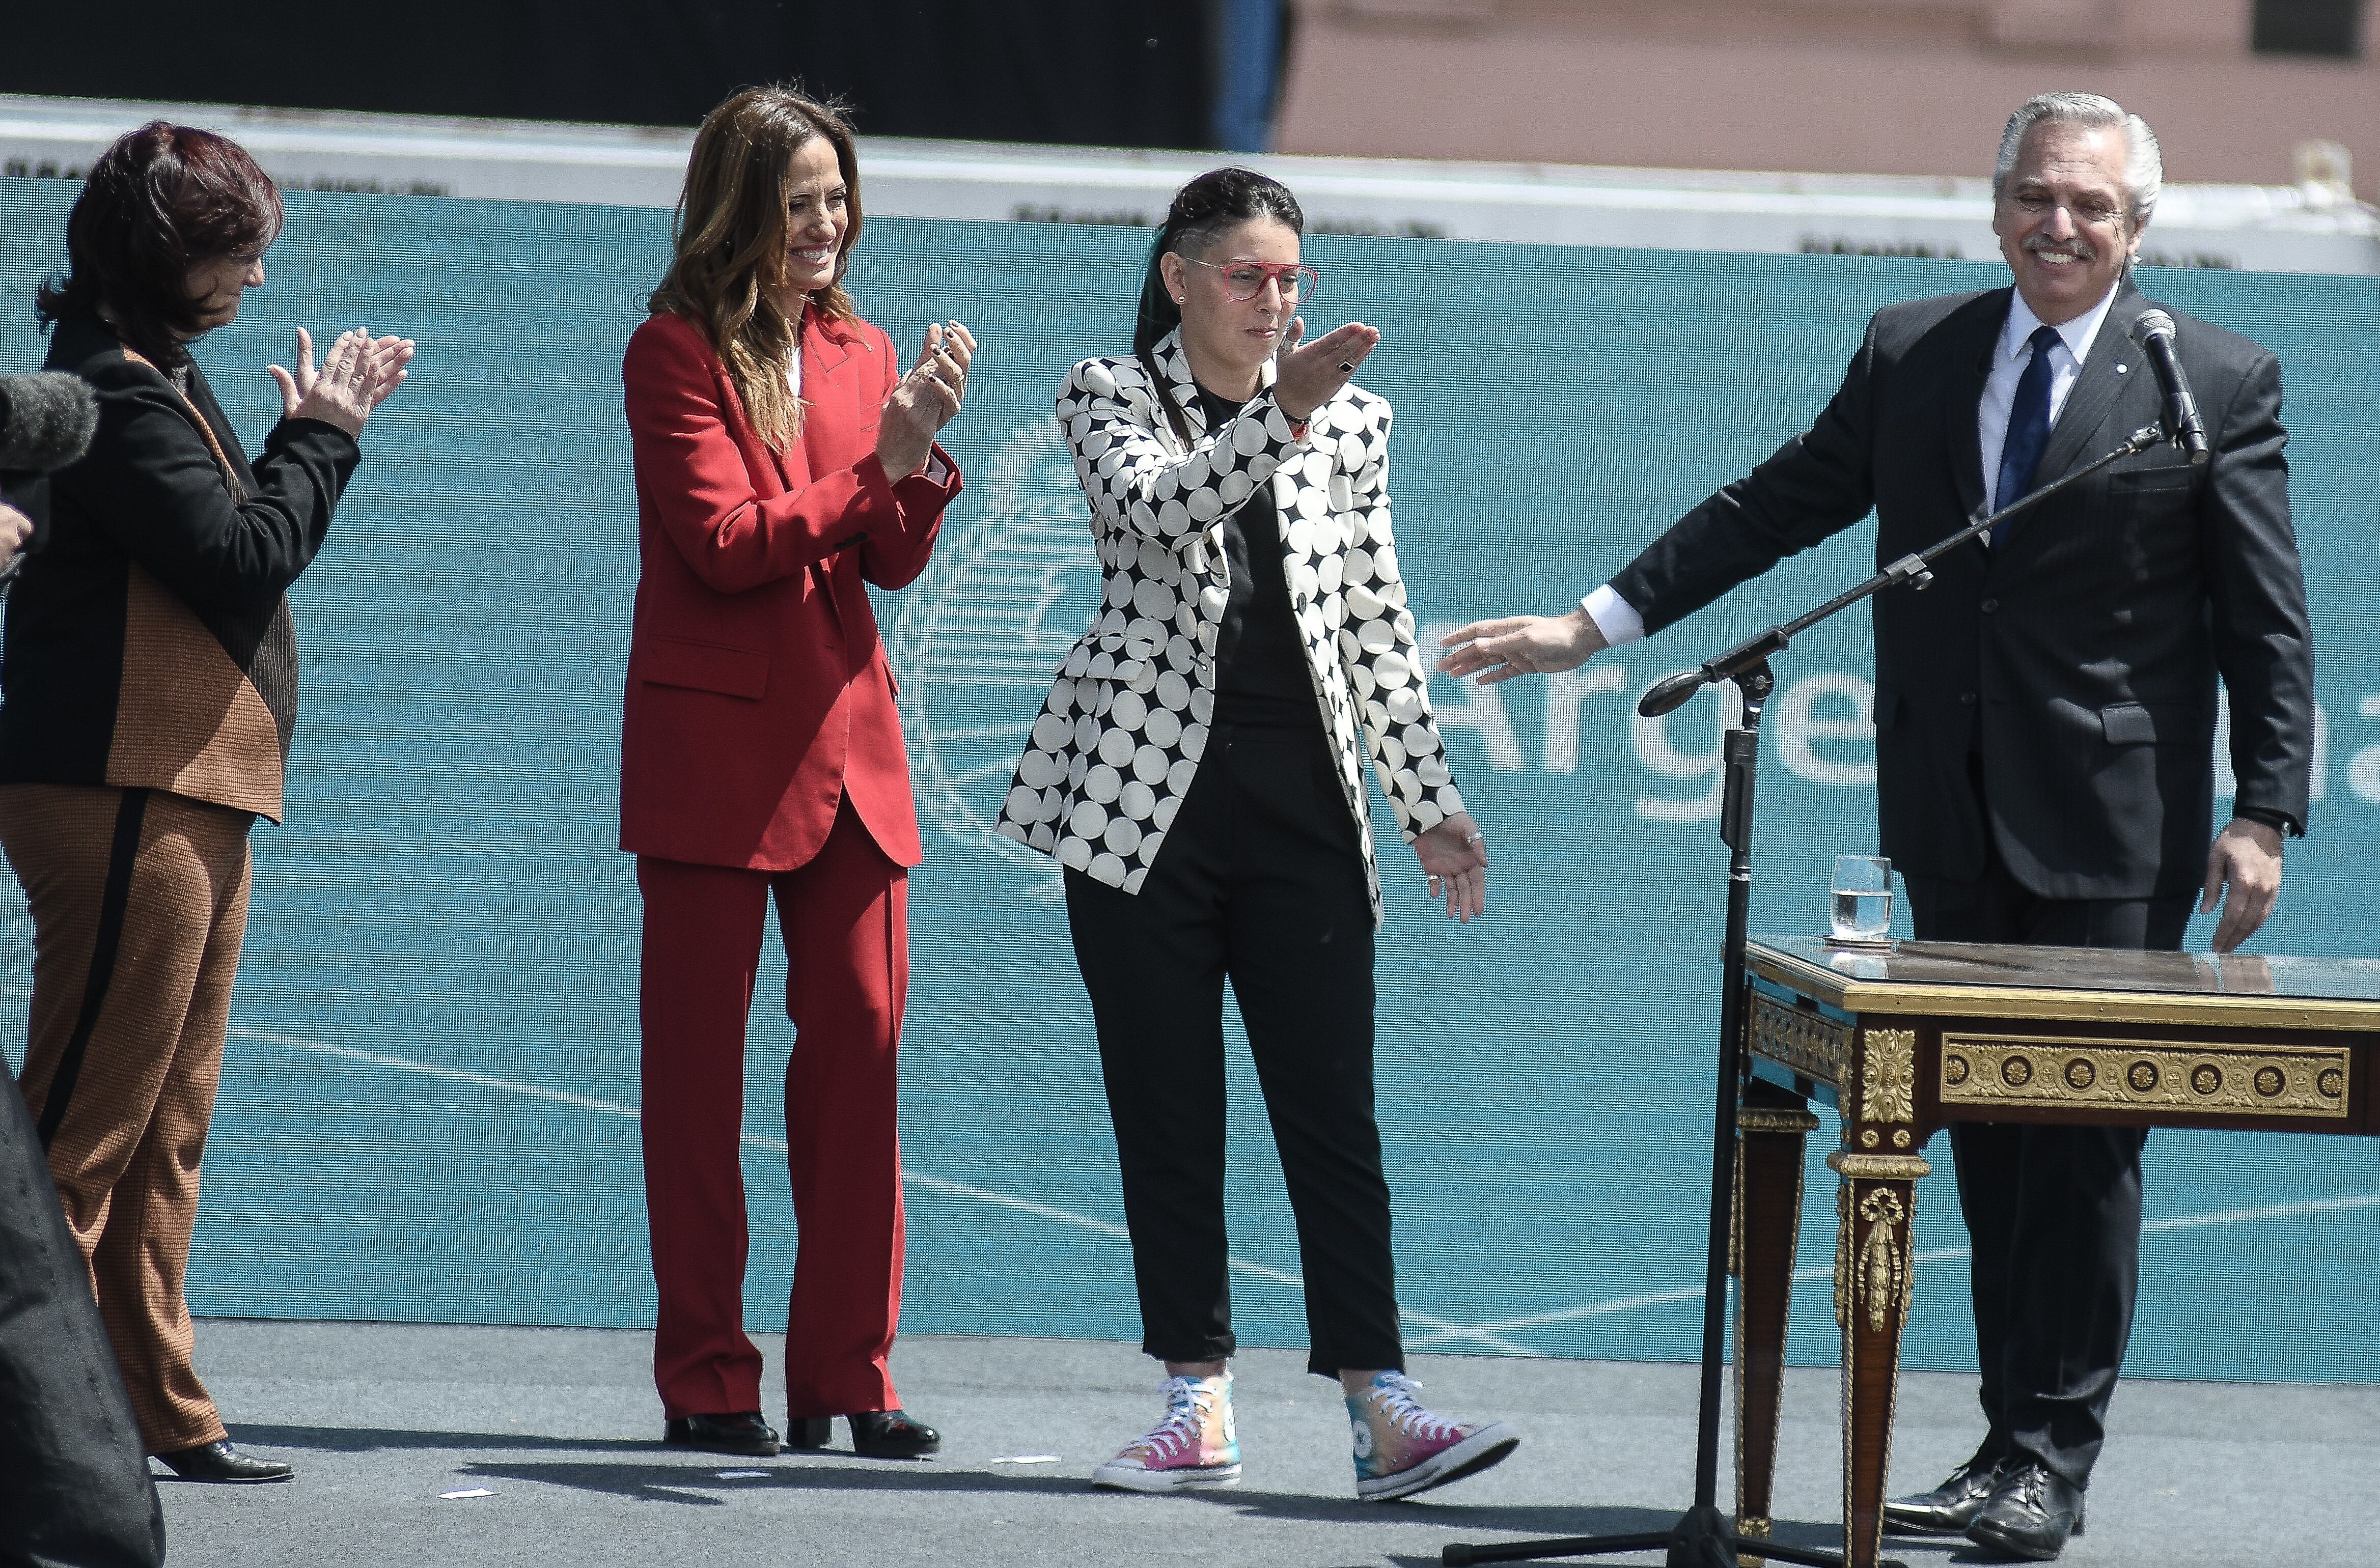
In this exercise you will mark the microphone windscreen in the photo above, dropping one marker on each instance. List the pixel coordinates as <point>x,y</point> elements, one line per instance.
<point>46,422</point>
<point>1672,694</point>
<point>2152,323</point>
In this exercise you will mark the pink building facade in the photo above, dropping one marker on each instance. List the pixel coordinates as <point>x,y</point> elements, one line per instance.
<point>1910,87</point>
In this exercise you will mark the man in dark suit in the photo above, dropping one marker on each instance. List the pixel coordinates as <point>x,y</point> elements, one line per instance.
<point>2045,712</point>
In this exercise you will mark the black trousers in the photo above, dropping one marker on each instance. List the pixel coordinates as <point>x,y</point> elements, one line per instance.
<point>2053,1213</point>
<point>1261,882</point>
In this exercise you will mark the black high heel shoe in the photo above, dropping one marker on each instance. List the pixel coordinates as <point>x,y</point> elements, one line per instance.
<point>875,1434</point>
<point>736,1431</point>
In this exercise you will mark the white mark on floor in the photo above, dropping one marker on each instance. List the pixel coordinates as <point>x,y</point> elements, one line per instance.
<point>1437,1329</point>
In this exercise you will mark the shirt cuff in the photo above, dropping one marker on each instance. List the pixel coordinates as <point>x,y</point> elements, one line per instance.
<point>2280,823</point>
<point>937,471</point>
<point>1613,617</point>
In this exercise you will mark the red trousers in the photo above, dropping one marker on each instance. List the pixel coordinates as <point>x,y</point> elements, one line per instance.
<point>844,916</point>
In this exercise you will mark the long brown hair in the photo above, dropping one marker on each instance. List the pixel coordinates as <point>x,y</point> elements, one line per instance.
<point>728,273</point>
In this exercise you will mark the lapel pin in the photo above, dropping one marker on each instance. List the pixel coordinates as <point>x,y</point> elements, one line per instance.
<point>2122,368</point>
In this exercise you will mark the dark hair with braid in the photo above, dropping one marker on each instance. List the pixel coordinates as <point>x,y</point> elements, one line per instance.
<point>1216,201</point>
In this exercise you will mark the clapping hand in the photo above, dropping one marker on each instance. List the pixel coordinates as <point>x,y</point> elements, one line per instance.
<point>1454,857</point>
<point>1312,373</point>
<point>356,377</point>
<point>924,400</point>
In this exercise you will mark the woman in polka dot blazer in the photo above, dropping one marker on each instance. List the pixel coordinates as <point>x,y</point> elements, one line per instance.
<point>1199,771</point>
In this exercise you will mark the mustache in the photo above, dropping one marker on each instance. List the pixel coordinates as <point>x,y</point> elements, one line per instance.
<point>2076,246</point>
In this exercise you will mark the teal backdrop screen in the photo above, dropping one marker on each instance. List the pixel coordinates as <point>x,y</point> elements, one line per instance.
<point>428,1109</point>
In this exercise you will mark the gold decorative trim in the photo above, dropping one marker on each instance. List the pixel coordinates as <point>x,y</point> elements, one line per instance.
<point>2229,1010</point>
<point>1889,1075</point>
<point>1878,1167</point>
<point>1843,1267</point>
<point>1881,1281</point>
<point>1743,1356</point>
<point>1754,1528</point>
<point>1771,1119</point>
<point>2238,1080</point>
<point>1735,1220</point>
<point>1814,1047</point>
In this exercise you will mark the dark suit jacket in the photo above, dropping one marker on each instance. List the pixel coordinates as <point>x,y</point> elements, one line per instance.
<point>149,642</point>
<point>2078,658</point>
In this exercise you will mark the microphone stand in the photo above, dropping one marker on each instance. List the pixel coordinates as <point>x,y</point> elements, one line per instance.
<point>1703,1536</point>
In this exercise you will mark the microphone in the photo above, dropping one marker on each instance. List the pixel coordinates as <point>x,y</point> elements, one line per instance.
<point>2153,333</point>
<point>46,422</point>
<point>1670,695</point>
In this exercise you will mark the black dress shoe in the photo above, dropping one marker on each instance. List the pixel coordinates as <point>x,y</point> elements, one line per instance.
<point>221,1462</point>
<point>737,1432</point>
<point>1949,1508</point>
<point>2031,1513</point>
<point>875,1434</point>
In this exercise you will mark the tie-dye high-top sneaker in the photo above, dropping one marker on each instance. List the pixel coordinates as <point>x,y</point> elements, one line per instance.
<point>1195,1445</point>
<point>1402,1449</point>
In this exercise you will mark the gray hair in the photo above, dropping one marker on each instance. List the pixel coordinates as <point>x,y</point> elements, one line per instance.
<point>2144,164</point>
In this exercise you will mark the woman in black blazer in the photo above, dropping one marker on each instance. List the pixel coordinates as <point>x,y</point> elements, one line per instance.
<point>148,686</point>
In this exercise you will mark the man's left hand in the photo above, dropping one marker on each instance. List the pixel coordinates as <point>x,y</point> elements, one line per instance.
<point>2246,857</point>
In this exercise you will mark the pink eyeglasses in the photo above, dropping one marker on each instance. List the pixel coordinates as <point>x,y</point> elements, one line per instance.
<point>1245,280</point>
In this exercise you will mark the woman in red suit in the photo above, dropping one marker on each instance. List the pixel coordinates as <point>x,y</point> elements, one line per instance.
<point>783,460</point>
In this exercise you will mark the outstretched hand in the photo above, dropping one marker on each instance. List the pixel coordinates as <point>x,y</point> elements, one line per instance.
<point>1521,645</point>
<point>1312,373</point>
<point>356,377</point>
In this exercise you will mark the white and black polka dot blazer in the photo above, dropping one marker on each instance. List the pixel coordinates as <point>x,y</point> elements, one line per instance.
<point>1116,745</point>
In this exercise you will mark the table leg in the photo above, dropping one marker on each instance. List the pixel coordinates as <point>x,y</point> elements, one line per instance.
<point>1872,1252</point>
<point>1771,1125</point>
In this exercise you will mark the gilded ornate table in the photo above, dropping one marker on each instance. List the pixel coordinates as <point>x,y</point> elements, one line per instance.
<point>1908,1040</point>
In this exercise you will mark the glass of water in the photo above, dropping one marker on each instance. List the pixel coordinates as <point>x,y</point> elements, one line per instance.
<point>1862,901</point>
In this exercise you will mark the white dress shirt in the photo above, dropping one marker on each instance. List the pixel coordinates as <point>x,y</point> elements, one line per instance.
<point>1618,620</point>
<point>2013,353</point>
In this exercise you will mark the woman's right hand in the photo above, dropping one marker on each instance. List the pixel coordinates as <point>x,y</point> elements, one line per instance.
<point>1311,373</point>
<point>924,400</point>
<point>356,377</point>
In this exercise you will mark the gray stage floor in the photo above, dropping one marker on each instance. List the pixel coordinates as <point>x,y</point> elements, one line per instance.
<point>560,1426</point>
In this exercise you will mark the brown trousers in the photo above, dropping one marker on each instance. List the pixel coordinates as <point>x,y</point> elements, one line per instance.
<point>139,898</point>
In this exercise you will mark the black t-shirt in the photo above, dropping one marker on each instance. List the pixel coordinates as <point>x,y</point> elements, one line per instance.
<point>1261,679</point>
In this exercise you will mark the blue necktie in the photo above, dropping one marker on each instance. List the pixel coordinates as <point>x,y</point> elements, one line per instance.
<point>2028,428</point>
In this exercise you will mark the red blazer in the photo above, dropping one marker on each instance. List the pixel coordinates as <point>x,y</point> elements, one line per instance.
<point>758,696</point>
